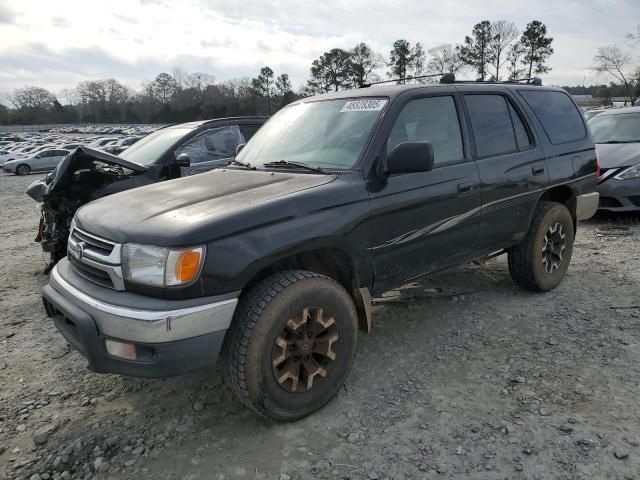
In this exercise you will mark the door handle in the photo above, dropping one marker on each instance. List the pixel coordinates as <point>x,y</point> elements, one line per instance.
<point>465,187</point>
<point>537,170</point>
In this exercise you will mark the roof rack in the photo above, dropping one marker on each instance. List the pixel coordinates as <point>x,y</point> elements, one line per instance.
<point>450,78</point>
<point>365,85</point>
<point>518,81</point>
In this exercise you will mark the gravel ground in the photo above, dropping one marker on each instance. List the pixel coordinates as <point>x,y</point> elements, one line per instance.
<point>464,376</point>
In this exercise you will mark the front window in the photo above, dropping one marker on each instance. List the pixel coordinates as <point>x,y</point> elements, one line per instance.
<point>150,148</point>
<point>617,128</point>
<point>330,134</point>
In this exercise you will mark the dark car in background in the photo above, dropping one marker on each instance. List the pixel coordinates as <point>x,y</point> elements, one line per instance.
<point>616,134</point>
<point>170,152</point>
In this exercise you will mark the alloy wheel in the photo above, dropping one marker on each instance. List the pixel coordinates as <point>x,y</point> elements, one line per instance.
<point>305,350</point>
<point>553,247</point>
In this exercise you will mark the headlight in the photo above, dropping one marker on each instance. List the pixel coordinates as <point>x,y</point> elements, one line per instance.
<point>161,267</point>
<point>629,173</point>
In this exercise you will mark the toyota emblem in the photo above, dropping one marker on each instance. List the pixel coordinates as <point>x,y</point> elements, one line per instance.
<point>80,250</point>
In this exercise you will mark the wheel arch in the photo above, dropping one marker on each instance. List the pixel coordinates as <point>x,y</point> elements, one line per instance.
<point>334,262</point>
<point>563,194</point>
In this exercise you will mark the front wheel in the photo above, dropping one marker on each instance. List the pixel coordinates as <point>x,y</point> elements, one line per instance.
<point>291,344</point>
<point>540,262</point>
<point>23,169</point>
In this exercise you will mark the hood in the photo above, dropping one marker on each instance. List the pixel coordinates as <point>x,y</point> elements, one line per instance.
<point>613,155</point>
<point>83,157</point>
<point>199,208</point>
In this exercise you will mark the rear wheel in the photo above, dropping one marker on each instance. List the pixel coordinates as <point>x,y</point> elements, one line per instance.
<point>23,169</point>
<point>540,262</point>
<point>291,344</point>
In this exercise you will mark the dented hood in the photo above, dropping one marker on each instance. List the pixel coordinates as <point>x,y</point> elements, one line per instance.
<point>83,157</point>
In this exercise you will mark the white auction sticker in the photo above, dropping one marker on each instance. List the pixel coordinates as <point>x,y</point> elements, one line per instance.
<point>367,105</point>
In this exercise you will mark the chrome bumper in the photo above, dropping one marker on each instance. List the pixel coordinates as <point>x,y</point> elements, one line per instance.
<point>152,325</point>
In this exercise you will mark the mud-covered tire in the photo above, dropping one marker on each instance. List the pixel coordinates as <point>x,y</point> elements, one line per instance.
<point>23,169</point>
<point>252,340</point>
<point>526,264</point>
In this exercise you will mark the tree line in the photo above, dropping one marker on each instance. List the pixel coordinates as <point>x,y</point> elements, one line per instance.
<point>620,65</point>
<point>493,51</point>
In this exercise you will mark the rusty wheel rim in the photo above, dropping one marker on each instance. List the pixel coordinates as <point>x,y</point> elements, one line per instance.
<point>305,350</point>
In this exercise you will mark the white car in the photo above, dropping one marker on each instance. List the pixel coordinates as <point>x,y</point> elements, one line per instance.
<point>42,161</point>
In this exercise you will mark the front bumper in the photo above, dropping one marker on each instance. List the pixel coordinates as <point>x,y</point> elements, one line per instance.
<point>619,195</point>
<point>170,337</point>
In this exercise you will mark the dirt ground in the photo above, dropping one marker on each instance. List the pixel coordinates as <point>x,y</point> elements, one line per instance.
<point>463,376</point>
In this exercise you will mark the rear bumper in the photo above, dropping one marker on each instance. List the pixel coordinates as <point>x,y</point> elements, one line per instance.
<point>167,342</point>
<point>586,205</point>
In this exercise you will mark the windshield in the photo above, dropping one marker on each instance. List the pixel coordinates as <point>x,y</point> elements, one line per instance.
<point>618,128</point>
<point>329,134</point>
<point>150,148</point>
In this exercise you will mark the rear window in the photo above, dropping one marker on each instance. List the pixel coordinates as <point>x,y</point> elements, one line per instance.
<point>557,113</point>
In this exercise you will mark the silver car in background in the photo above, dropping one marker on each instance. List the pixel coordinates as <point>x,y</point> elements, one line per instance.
<point>616,134</point>
<point>43,161</point>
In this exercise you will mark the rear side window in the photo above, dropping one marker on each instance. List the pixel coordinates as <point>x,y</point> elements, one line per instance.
<point>557,113</point>
<point>522,136</point>
<point>491,123</point>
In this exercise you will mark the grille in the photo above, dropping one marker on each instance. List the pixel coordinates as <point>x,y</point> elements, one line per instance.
<point>609,202</point>
<point>92,243</point>
<point>95,259</point>
<point>92,274</point>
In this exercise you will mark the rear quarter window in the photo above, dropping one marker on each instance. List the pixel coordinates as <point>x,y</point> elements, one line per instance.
<point>558,115</point>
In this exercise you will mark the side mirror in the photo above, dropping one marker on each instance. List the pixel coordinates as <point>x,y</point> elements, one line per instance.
<point>239,148</point>
<point>182,160</point>
<point>410,157</point>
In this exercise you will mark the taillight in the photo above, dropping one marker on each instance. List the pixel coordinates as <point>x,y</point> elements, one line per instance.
<point>597,165</point>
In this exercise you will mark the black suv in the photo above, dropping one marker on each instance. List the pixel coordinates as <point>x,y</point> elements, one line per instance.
<point>274,259</point>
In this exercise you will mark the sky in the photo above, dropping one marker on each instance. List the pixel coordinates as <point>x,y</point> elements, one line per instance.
<point>56,44</point>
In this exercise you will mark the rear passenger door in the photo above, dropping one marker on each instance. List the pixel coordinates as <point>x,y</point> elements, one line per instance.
<point>427,220</point>
<point>511,164</point>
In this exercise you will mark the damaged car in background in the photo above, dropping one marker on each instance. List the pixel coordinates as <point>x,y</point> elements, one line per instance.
<point>171,152</point>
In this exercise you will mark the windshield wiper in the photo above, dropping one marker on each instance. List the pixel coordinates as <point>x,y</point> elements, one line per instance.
<point>242,164</point>
<point>287,163</point>
<point>618,141</point>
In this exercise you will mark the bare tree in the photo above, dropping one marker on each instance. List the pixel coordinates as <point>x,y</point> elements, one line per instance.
<point>613,61</point>
<point>634,36</point>
<point>445,59</point>
<point>514,61</point>
<point>32,98</point>
<point>69,96</point>
<point>503,34</point>
<point>164,87</point>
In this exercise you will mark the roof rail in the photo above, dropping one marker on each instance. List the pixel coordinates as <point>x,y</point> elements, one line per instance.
<point>518,81</point>
<point>365,85</point>
<point>450,78</point>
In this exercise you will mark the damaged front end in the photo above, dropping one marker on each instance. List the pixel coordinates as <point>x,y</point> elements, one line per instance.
<point>83,176</point>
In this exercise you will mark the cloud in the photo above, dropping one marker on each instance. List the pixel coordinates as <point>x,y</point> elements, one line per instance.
<point>57,44</point>
<point>6,15</point>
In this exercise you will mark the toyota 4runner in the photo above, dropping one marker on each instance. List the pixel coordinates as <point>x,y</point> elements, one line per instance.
<point>273,261</point>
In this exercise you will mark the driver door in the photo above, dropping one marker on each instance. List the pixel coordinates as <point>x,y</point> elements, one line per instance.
<point>427,220</point>
<point>211,149</point>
